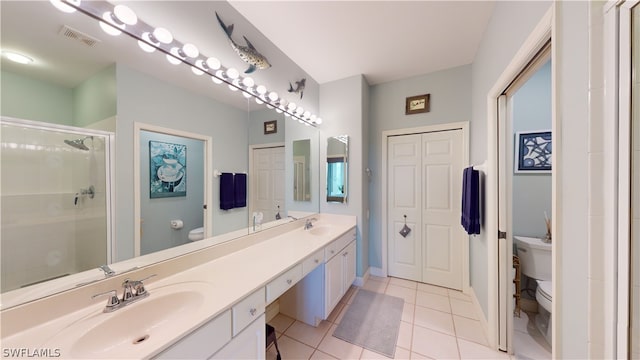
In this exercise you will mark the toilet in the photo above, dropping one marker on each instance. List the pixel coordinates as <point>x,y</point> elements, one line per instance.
<point>535,262</point>
<point>196,234</point>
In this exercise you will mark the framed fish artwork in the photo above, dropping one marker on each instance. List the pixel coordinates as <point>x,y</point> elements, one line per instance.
<point>533,152</point>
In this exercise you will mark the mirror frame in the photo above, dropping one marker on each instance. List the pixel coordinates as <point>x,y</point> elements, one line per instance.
<point>344,198</point>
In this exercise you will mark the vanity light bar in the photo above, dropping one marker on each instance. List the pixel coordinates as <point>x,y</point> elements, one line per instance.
<point>151,38</point>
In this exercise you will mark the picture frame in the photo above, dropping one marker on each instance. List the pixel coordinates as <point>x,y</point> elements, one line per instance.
<point>417,104</point>
<point>533,150</point>
<point>270,127</point>
<point>167,169</point>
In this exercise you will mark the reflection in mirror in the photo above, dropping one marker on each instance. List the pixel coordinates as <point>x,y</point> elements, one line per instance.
<point>56,201</point>
<point>301,170</point>
<point>337,168</point>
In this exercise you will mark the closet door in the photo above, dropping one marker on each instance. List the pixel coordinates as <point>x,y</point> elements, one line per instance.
<point>404,195</point>
<point>442,234</point>
<point>268,182</point>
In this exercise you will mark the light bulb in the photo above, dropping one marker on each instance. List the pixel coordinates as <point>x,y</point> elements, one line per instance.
<point>299,110</point>
<point>248,82</point>
<point>270,107</point>
<point>261,89</point>
<point>246,94</point>
<point>196,71</point>
<point>279,110</point>
<point>109,26</point>
<point>144,45</point>
<point>125,15</point>
<point>213,63</point>
<point>306,114</point>
<point>216,79</point>
<point>318,121</point>
<point>19,58</point>
<point>258,101</point>
<point>235,82</point>
<point>232,73</point>
<point>163,35</point>
<point>62,6</point>
<point>291,106</point>
<point>273,96</point>
<point>313,118</point>
<point>172,59</point>
<point>190,50</point>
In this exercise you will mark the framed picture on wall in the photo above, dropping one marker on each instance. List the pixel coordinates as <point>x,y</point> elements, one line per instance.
<point>417,104</point>
<point>270,127</point>
<point>168,169</point>
<point>533,151</point>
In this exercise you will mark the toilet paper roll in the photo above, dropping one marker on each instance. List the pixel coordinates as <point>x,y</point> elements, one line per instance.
<point>177,224</point>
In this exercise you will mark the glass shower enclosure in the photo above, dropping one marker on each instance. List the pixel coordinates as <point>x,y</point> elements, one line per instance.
<point>56,204</point>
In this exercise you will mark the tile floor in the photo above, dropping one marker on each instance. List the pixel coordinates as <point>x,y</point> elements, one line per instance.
<point>528,342</point>
<point>437,323</point>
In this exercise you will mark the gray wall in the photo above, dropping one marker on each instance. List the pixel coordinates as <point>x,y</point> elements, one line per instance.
<point>532,192</point>
<point>450,102</point>
<point>158,212</point>
<point>510,25</point>
<point>142,98</point>
<point>256,127</point>
<point>95,99</point>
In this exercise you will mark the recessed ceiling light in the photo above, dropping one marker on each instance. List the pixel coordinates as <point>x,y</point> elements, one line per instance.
<point>19,58</point>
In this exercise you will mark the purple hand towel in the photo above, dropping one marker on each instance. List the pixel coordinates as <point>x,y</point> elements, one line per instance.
<point>470,218</point>
<point>226,191</point>
<point>240,190</point>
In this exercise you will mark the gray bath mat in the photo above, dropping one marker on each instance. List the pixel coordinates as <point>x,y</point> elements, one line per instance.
<point>372,321</point>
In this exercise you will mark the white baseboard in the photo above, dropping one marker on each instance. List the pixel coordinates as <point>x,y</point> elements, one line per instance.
<point>360,280</point>
<point>478,309</point>
<point>375,271</point>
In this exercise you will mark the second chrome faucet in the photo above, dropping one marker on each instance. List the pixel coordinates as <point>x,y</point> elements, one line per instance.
<point>132,291</point>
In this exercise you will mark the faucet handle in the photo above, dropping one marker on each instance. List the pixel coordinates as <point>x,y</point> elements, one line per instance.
<point>113,301</point>
<point>138,285</point>
<point>127,290</point>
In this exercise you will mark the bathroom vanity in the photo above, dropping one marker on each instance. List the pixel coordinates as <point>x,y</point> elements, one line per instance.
<point>214,308</point>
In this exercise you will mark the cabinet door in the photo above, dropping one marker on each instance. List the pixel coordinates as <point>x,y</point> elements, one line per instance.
<point>333,283</point>
<point>249,344</point>
<point>349,270</point>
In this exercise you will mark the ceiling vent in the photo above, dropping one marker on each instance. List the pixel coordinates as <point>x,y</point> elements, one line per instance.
<point>76,35</point>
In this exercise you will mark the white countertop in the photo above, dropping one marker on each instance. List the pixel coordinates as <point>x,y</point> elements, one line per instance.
<point>224,280</point>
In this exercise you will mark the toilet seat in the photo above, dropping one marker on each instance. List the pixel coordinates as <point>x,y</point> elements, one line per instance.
<point>544,294</point>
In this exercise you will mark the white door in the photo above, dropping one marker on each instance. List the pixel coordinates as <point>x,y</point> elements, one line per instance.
<point>442,233</point>
<point>425,185</point>
<point>267,190</point>
<point>405,181</point>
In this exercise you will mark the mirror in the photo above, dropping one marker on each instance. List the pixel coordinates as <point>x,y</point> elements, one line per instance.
<point>337,168</point>
<point>301,170</point>
<point>140,87</point>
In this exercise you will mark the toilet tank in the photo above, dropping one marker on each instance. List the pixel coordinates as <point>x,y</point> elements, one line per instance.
<point>535,257</point>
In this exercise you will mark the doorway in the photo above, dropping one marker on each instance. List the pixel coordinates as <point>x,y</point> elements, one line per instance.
<point>267,181</point>
<point>422,190</point>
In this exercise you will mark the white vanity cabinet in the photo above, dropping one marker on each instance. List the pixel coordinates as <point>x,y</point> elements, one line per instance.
<point>203,342</point>
<point>340,272</point>
<point>249,344</point>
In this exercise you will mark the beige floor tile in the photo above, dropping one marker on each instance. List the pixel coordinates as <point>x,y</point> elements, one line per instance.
<point>417,356</point>
<point>290,349</point>
<point>403,282</point>
<point>433,301</point>
<point>408,310</point>
<point>308,334</point>
<point>408,295</point>
<point>281,322</point>
<point>434,344</point>
<point>471,350</point>
<point>378,278</point>
<point>434,319</point>
<point>375,286</point>
<point>319,355</point>
<point>455,294</point>
<point>527,347</point>
<point>339,348</point>
<point>469,329</point>
<point>520,323</point>
<point>405,334</point>
<point>433,289</point>
<point>463,308</point>
<point>400,353</point>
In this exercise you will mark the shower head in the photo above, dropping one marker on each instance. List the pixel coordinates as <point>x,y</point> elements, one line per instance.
<point>79,143</point>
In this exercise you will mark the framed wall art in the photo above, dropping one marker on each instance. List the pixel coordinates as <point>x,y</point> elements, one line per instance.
<point>168,169</point>
<point>417,104</point>
<point>533,152</point>
<point>270,127</point>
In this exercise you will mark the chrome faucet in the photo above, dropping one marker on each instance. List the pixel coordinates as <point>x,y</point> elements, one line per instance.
<point>108,272</point>
<point>308,224</point>
<point>132,291</point>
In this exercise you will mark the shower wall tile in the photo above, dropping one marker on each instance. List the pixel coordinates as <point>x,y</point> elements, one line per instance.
<point>596,247</point>
<point>597,311</point>
<point>595,184</point>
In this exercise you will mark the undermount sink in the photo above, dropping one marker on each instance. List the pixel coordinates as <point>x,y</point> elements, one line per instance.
<point>320,230</point>
<point>136,327</point>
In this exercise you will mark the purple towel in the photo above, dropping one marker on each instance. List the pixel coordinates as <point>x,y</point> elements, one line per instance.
<point>240,190</point>
<point>226,191</point>
<point>470,218</point>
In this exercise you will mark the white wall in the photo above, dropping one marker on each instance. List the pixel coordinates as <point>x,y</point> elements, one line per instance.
<point>510,25</point>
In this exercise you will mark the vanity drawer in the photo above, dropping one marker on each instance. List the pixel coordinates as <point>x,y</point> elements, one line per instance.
<point>283,282</point>
<point>247,310</point>
<point>312,262</point>
<point>334,247</point>
<point>203,342</point>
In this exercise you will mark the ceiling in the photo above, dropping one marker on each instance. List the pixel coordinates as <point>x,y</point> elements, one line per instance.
<point>328,40</point>
<point>383,40</point>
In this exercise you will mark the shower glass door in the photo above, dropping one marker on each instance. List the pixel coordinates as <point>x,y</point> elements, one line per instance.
<point>634,293</point>
<point>55,201</point>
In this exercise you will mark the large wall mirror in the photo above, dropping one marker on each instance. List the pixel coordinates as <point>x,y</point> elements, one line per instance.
<point>90,80</point>
<point>337,168</point>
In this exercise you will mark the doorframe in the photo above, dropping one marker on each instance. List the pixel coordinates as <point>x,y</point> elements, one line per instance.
<point>253,178</point>
<point>464,126</point>
<point>208,177</point>
<point>542,33</point>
